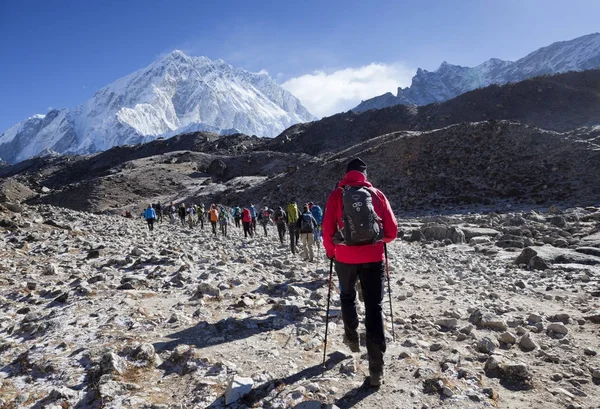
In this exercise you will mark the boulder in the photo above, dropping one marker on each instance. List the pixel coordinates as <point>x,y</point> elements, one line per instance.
<point>471,232</point>
<point>435,231</point>
<point>217,167</point>
<point>591,251</point>
<point>416,235</point>
<point>593,316</point>
<point>551,255</point>
<point>456,235</point>
<point>593,240</point>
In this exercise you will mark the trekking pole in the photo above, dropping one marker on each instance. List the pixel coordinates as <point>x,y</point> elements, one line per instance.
<point>387,271</point>
<point>327,313</point>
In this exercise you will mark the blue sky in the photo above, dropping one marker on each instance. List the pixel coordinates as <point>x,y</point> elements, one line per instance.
<point>58,53</point>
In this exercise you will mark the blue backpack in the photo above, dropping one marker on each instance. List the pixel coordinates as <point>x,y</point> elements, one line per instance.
<point>317,214</point>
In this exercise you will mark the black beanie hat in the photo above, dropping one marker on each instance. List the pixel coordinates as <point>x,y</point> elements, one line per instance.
<point>356,164</point>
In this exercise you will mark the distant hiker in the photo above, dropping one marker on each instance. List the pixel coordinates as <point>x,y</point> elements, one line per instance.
<point>223,220</point>
<point>306,225</point>
<point>150,216</point>
<point>172,212</point>
<point>280,220</point>
<point>182,214</point>
<point>200,215</point>
<point>191,213</point>
<point>253,214</point>
<point>317,213</point>
<point>358,220</point>
<point>159,215</point>
<point>247,222</point>
<point>264,218</point>
<point>213,216</point>
<point>292,219</point>
<point>237,216</point>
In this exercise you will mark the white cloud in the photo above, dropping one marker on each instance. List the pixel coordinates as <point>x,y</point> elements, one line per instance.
<point>329,93</point>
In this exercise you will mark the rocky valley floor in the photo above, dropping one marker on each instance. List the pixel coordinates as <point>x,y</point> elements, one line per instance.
<point>96,311</point>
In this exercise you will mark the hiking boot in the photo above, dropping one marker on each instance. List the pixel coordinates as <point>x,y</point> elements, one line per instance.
<point>352,343</point>
<point>375,379</point>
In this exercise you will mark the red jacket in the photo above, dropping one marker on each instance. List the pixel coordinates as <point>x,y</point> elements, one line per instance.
<point>368,253</point>
<point>246,217</point>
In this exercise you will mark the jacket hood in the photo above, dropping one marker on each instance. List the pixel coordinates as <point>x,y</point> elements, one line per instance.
<point>355,178</point>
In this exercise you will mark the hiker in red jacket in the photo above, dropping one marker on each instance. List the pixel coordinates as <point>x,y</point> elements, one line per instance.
<point>358,220</point>
<point>247,222</point>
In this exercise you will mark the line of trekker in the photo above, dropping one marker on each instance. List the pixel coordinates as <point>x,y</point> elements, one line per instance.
<point>304,226</point>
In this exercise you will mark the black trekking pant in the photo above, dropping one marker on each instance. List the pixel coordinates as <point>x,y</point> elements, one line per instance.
<point>182,218</point>
<point>247,229</point>
<point>372,281</point>
<point>150,224</point>
<point>265,228</point>
<point>254,224</point>
<point>294,236</point>
<point>281,231</point>
<point>200,222</point>
<point>214,227</point>
<point>238,221</point>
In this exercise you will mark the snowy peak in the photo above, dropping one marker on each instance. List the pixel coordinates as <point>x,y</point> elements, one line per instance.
<point>175,93</point>
<point>449,80</point>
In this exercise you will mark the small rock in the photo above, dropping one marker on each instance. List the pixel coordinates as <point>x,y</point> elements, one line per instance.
<point>527,343</point>
<point>517,370</point>
<point>349,368</point>
<point>50,269</point>
<point>112,363</point>
<point>447,323</point>
<point>556,329</point>
<point>208,289</point>
<point>493,322</point>
<point>62,298</point>
<point>138,252</point>
<point>486,345</point>
<point>590,352</point>
<point>94,254</point>
<point>143,352</point>
<point>507,338</point>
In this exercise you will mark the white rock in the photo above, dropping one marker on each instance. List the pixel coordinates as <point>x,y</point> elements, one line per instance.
<point>238,387</point>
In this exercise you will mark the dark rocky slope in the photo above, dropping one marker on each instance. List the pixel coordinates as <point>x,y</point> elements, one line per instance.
<point>560,102</point>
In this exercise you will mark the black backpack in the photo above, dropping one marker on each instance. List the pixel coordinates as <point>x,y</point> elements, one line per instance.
<point>306,223</point>
<point>361,223</point>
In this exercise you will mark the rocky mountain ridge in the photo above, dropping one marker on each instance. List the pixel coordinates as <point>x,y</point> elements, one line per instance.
<point>449,81</point>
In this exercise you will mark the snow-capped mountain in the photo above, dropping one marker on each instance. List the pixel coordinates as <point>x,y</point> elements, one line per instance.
<point>449,81</point>
<point>174,94</point>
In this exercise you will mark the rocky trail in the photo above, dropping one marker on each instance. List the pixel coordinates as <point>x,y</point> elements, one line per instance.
<point>490,310</point>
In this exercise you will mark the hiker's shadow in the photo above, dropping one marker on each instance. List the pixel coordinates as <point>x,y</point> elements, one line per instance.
<point>282,290</point>
<point>204,334</point>
<point>356,395</point>
<point>257,394</point>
